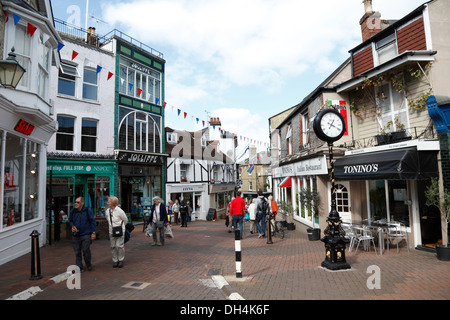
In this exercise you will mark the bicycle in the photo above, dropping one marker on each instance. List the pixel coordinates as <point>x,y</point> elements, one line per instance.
<point>276,227</point>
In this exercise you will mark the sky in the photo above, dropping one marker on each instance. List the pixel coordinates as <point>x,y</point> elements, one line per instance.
<point>241,61</point>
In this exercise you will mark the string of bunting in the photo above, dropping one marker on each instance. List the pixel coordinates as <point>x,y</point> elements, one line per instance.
<point>197,120</point>
<point>31,30</point>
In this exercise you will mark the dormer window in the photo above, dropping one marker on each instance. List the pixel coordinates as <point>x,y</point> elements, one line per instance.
<point>172,137</point>
<point>386,48</point>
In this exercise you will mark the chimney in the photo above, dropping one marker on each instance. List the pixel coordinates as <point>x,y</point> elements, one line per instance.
<point>370,22</point>
<point>251,152</point>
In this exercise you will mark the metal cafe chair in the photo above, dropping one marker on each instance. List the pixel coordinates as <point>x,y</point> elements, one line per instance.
<point>365,236</point>
<point>349,234</point>
<point>397,230</point>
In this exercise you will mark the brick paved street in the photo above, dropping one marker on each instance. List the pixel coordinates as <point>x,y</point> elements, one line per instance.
<point>192,266</point>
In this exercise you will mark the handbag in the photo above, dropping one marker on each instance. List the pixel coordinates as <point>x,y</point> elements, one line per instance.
<point>116,231</point>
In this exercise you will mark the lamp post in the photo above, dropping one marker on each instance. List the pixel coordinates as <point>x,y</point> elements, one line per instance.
<point>10,71</point>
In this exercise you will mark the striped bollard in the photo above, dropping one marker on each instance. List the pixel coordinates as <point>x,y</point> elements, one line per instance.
<point>237,247</point>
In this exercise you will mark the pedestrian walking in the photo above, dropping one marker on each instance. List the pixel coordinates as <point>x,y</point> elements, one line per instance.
<point>228,220</point>
<point>237,211</point>
<point>82,222</point>
<point>116,219</point>
<point>170,211</point>
<point>184,211</point>
<point>273,210</point>
<point>158,220</point>
<point>176,210</point>
<point>252,214</point>
<point>262,208</point>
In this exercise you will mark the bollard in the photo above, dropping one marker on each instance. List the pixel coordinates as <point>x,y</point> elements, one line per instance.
<point>237,246</point>
<point>269,236</point>
<point>35,257</point>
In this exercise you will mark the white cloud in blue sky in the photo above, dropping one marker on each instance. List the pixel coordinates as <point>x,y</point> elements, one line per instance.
<point>243,61</point>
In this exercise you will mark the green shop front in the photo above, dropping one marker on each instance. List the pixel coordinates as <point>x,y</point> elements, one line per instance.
<point>68,179</point>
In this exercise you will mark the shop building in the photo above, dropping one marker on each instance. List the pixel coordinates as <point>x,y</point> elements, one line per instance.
<point>390,150</point>
<point>138,121</point>
<point>80,159</point>
<point>193,167</point>
<point>26,123</point>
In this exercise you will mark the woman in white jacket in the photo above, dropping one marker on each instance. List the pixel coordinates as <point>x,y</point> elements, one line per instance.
<point>252,214</point>
<point>116,217</point>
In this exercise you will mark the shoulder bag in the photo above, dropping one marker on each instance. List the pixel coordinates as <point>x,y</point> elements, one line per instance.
<point>116,231</point>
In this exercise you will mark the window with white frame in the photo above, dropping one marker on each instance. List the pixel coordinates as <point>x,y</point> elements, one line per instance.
<point>139,81</point>
<point>393,111</point>
<point>66,133</point>
<point>139,131</point>
<point>172,137</point>
<point>90,84</point>
<point>44,56</point>
<point>305,129</point>
<point>22,46</point>
<point>289,138</point>
<point>386,48</point>
<point>89,135</point>
<point>68,73</point>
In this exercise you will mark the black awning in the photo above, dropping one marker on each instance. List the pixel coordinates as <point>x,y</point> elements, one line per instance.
<point>398,164</point>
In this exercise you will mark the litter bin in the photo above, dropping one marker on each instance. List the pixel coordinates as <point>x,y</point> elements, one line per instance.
<point>313,234</point>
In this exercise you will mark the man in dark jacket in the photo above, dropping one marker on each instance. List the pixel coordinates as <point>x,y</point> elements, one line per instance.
<point>82,221</point>
<point>158,220</point>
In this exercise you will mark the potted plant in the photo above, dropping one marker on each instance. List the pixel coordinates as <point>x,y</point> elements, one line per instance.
<point>400,133</point>
<point>442,201</point>
<point>311,201</point>
<point>287,209</point>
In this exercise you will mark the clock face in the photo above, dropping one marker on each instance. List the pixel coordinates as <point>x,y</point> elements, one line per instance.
<point>329,125</point>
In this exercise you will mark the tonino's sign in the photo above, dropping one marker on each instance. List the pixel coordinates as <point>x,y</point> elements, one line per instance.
<point>362,168</point>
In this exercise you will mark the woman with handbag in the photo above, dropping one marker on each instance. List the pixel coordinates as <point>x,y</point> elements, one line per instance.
<point>117,220</point>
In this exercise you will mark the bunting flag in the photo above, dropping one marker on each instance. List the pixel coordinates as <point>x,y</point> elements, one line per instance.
<point>7,17</point>
<point>99,69</point>
<point>185,114</point>
<point>130,86</point>
<point>197,120</point>
<point>139,92</point>
<point>16,18</point>
<point>110,74</point>
<point>157,100</point>
<point>74,54</point>
<point>203,122</point>
<point>165,104</point>
<point>60,46</point>
<point>31,29</point>
<point>179,112</point>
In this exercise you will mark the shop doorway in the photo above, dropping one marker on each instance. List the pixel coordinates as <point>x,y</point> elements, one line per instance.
<point>430,219</point>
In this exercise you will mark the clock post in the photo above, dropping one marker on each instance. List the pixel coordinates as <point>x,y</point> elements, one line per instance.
<point>325,126</point>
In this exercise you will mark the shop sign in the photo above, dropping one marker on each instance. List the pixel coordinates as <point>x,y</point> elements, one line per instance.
<point>70,168</point>
<point>24,127</point>
<point>312,166</point>
<point>131,157</point>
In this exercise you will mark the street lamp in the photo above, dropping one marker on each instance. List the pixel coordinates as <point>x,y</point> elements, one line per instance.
<point>10,71</point>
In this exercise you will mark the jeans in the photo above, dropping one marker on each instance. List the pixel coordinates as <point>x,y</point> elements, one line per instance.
<point>158,225</point>
<point>82,247</point>
<point>238,219</point>
<point>261,223</point>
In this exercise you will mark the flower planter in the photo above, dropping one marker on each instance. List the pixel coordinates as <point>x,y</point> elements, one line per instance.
<point>399,136</point>
<point>443,252</point>
<point>313,234</point>
<point>383,139</point>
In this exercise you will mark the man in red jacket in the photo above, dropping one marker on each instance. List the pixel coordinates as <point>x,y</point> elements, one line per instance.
<point>237,211</point>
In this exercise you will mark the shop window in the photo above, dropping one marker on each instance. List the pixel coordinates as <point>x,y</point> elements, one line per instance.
<point>89,135</point>
<point>102,192</point>
<point>68,73</point>
<point>64,185</point>
<point>13,190</point>
<point>65,134</point>
<point>388,201</point>
<point>31,180</point>
<point>90,84</point>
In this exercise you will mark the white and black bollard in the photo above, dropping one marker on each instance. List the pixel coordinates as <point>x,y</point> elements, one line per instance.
<point>237,247</point>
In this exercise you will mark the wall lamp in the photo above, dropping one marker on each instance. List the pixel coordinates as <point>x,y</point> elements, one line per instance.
<point>33,196</point>
<point>10,71</point>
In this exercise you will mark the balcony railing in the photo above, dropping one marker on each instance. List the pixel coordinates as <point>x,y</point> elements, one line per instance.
<point>81,35</point>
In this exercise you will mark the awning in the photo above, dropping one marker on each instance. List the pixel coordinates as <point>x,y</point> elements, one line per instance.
<point>286,183</point>
<point>399,164</point>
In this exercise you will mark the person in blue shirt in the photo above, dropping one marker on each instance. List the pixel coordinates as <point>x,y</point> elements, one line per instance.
<point>82,221</point>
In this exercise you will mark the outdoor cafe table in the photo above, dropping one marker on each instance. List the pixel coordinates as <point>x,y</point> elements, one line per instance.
<point>379,226</point>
